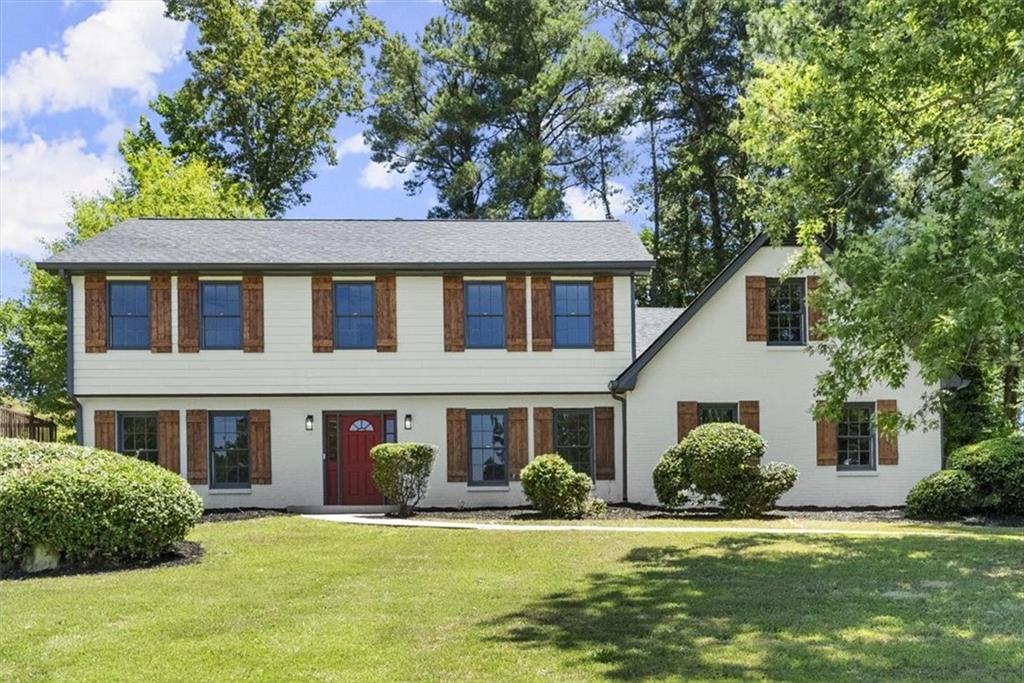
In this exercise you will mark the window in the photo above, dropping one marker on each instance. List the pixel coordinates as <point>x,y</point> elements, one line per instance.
<point>485,315</point>
<point>229,450</point>
<point>716,412</point>
<point>786,312</point>
<point>487,447</point>
<point>354,326</point>
<point>129,315</point>
<point>856,433</point>
<point>137,432</point>
<point>574,326</point>
<point>390,428</point>
<point>222,315</point>
<point>574,441</point>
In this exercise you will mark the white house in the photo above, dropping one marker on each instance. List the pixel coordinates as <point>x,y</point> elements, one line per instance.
<point>262,359</point>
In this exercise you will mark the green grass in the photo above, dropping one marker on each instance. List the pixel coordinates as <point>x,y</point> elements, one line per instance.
<point>290,598</point>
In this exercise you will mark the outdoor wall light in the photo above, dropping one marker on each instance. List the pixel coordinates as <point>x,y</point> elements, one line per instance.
<point>408,421</point>
<point>309,423</point>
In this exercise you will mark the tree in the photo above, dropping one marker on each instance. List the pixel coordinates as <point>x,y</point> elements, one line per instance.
<point>270,80</point>
<point>898,132</point>
<point>500,107</point>
<point>33,332</point>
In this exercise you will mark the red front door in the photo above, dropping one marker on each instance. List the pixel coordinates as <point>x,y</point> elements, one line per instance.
<point>351,466</point>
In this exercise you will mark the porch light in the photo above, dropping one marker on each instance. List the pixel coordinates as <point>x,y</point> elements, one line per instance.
<point>309,423</point>
<point>408,421</point>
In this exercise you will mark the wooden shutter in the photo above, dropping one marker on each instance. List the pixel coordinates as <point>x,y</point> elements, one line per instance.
<point>168,434</point>
<point>95,313</point>
<point>888,446</point>
<point>750,415</point>
<point>757,309</point>
<point>188,314</point>
<point>543,431</point>
<point>323,314</point>
<point>604,313</point>
<point>160,314</point>
<point>827,443</point>
<point>604,443</point>
<point>458,452</point>
<point>454,321</point>
<point>386,313</point>
<point>259,446</point>
<point>104,430</point>
<point>540,303</point>
<point>687,418</point>
<point>518,441</point>
<point>196,425</point>
<point>814,316</point>
<point>515,312</point>
<point>252,313</point>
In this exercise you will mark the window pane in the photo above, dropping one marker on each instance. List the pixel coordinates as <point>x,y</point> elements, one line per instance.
<point>129,333</point>
<point>573,331</point>
<point>573,438</point>
<point>485,315</point>
<point>487,447</point>
<point>485,332</point>
<point>129,298</point>
<point>222,333</point>
<point>129,315</point>
<point>355,333</point>
<point>572,299</point>
<point>138,436</point>
<point>354,326</point>
<point>786,311</point>
<point>856,437</point>
<point>222,315</point>
<point>353,299</point>
<point>572,316</point>
<point>717,412</point>
<point>229,449</point>
<point>222,299</point>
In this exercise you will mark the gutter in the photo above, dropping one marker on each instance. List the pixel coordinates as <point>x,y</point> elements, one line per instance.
<point>621,398</point>
<point>69,362</point>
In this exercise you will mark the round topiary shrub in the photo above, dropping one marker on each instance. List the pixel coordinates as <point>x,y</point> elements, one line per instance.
<point>672,484</point>
<point>556,489</point>
<point>997,467</point>
<point>401,470</point>
<point>15,453</point>
<point>90,506</point>
<point>947,494</point>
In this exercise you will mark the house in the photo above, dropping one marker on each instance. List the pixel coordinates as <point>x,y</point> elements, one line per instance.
<point>262,359</point>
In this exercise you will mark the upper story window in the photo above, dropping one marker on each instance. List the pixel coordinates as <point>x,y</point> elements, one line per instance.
<point>129,315</point>
<point>354,326</point>
<point>786,321</point>
<point>856,437</point>
<point>573,313</point>
<point>574,438</point>
<point>487,447</point>
<point>222,315</point>
<point>485,315</point>
<point>229,450</point>
<point>716,412</point>
<point>137,435</point>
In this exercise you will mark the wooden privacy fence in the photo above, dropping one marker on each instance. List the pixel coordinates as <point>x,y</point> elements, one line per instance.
<point>21,426</point>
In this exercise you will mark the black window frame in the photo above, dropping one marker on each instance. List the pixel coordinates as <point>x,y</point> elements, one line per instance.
<point>467,315</point>
<point>469,448</point>
<point>872,438</point>
<point>212,456</point>
<point>555,284</point>
<point>111,344</point>
<point>338,317</point>
<point>720,405</point>
<point>121,415</point>
<point>589,413</point>
<point>203,343</point>
<point>771,283</point>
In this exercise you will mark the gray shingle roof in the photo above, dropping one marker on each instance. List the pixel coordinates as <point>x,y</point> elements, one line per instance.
<point>651,322</point>
<point>184,244</point>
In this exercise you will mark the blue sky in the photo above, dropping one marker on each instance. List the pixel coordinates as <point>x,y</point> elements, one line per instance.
<point>75,73</point>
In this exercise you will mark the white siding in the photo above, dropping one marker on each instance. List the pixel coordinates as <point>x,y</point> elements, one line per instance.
<point>289,365</point>
<point>709,360</point>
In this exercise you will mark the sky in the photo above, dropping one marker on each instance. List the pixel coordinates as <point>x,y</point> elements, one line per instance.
<point>75,73</point>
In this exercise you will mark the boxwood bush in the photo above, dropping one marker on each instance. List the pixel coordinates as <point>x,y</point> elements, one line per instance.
<point>88,505</point>
<point>401,470</point>
<point>943,495</point>
<point>997,468</point>
<point>557,490</point>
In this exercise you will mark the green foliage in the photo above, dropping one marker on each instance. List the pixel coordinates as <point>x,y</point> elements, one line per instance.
<point>557,490</point>
<point>997,468</point>
<point>89,505</point>
<point>400,471</point>
<point>947,494</point>
<point>720,463</point>
<point>269,82</point>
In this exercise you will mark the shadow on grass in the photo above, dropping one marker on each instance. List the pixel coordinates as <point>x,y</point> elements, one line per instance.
<point>763,607</point>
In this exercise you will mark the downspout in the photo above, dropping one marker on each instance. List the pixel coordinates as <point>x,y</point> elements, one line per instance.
<point>621,398</point>
<point>70,356</point>
<point>632,315</point>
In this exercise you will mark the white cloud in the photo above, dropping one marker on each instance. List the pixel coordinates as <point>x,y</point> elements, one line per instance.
<point>36,180</point>
<point>589,207</point>
<point>377,176</point>
<point>123,47</point>
<point>353,145</point>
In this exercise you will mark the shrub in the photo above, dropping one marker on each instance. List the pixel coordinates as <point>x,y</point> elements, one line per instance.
<point>557,490</point>
<point>943,495</point>
<point>401,470</point>
<point>15,453</point>
<point>997,467</point>
<point>90,506</point>
<point>720,462</point>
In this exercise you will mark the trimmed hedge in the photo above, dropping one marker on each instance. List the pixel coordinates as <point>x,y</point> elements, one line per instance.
<point>400,471</point>
<point>89,505</point>
<point>943,495</point>
<point>997,467</point>
<point>557,490</point>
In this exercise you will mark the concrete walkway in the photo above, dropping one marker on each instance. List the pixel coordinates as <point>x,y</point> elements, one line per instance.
<point>381,520</point>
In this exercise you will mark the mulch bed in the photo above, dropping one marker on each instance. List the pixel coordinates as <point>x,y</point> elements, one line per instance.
<point>238,514</point>
<point>183,553</point>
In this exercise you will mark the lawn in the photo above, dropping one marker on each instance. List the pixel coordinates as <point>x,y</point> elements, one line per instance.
<point>291,598</point>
